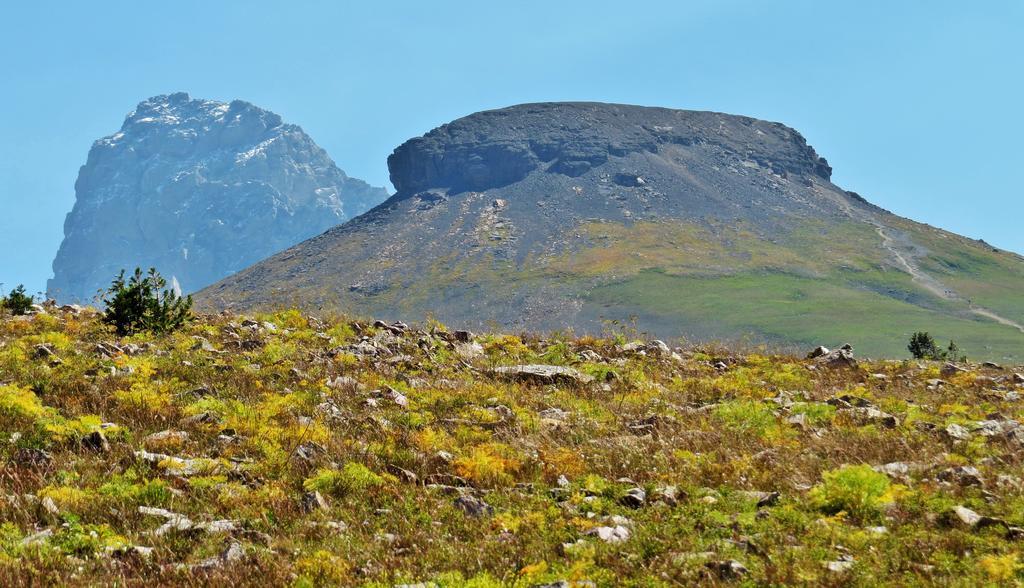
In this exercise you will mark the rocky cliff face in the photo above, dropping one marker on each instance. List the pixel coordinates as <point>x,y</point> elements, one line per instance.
<point>498,147</point>
<point>697,224</point>
<point>198,189</point>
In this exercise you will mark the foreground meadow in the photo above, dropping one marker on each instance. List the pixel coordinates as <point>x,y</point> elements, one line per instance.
<point>282,449</point>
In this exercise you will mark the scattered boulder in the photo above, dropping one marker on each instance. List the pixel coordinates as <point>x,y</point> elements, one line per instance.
<point>729,569</point>
<point>615,534</point>
<point>31,457</point>
<point>346,383</point>
<point>43,351</point>
<point>841,565</point>
<point>817,352</point>
<point>763,499</point>
<point>961,476</point>
<point>544,374</point>
<point>838,358</point>
<point>974,520</point>
<point>956,432</point>
<point>634,498</point>
<point>96,441</point>
<point>659,348</point>
<point>313,501</point>
<point>668,495</point>
<point>869,415</point>
<point>165,438</point>
<point>234,552</point>
<point>473,506</point>
<point>899,470</point>
<point>951,369</point>
<point>469,351</point>
<point>180,522</point>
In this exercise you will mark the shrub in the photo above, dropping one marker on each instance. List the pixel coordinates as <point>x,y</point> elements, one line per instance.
<point>857,490</point>
<point>143,303</point>
<point>953,352</point>
<point>488,465</point>
<point>18,302</point>
<point>922,346</point>
<point>353,477</point>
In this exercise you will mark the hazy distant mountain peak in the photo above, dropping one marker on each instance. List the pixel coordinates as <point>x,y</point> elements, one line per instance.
<point>199,189</point>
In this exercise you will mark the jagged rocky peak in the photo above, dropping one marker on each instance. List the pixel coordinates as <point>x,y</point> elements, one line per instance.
<point>495,148</point>
<point>199,189</point>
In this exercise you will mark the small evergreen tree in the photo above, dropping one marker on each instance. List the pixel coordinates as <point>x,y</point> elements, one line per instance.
<point>144,303</point>
<point>953,352</point>
<point>18,302</point>
<point>922,346</point>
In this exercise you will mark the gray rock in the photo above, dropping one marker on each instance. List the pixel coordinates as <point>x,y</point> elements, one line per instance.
<point>817,352</point>
<point>839,566</point>
<point>313,501</point>
<point>613,534</point>
<point>544,374</point>
<point>469,351</point>
<point>868,415</point>
<point>473,506</point>
<point>838,358</point>
<point>957,432</point>
<point>166,436</point>
<point>198,189</point>
<point>31,458</point>
<point>974,520</point>
<point>634,498</point>
<point>961,476</point>
<point>96,441</point>
<point>951,369</point>
<point>728,569</point>
<point>43,351</point>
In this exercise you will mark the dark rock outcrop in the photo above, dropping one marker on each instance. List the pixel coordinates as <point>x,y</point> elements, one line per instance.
<point>198,189</point>
<point>495,148</point>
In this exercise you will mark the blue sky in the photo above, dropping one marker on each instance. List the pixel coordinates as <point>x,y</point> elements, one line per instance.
<point>915,104</point>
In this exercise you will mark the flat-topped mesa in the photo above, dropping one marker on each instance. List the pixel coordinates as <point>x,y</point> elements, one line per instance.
<point>498,147</point>
<point>198,189</point>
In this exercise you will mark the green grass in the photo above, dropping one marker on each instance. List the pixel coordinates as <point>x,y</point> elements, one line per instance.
<point>993,279</point>
<point>797,310</point>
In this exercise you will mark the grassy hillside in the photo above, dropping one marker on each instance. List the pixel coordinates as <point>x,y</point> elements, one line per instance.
<point>283,449</point>
<point>822,284</point>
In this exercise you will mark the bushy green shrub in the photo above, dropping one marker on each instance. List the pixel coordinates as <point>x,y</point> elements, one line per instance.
<point>353,477</point>
<point>923,346</point>
<point>17,302</point>
<point>857,490</point>
<point>144,303</point>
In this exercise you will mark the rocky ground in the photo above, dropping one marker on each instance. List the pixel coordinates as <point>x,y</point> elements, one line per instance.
<point>283,449</point>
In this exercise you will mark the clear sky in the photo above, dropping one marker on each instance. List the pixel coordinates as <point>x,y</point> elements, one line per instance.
<point>916,104</point>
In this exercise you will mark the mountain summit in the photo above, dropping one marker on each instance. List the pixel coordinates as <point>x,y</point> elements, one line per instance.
<point>199,189</point>
<point>697,224</point>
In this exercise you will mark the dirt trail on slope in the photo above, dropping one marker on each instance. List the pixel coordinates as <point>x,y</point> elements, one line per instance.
<point>906,252</point>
